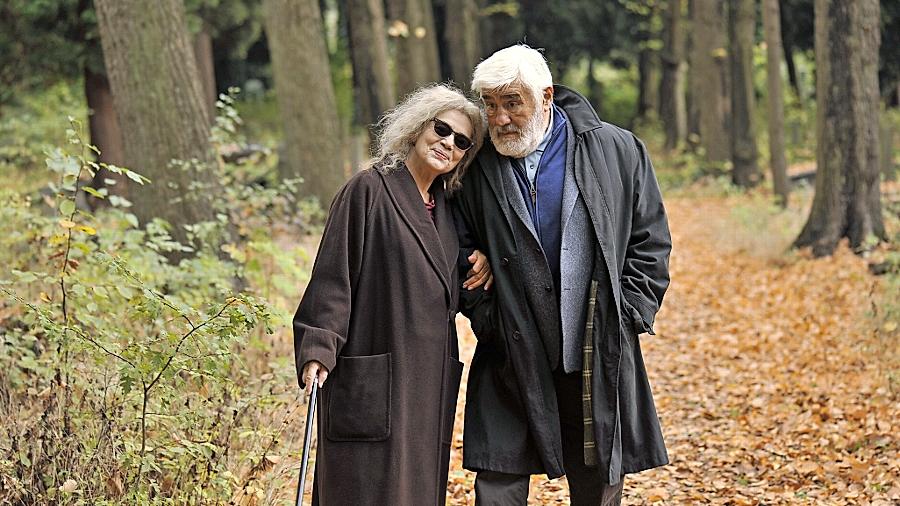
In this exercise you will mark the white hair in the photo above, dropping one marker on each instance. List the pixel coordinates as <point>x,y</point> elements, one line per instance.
<point>514,64</point>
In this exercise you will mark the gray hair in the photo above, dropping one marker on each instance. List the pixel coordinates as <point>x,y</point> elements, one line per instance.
<point>514,64</point>
<point>400,127</point>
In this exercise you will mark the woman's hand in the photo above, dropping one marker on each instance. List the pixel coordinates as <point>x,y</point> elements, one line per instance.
<point>480,273</point>
<point>314,371</point>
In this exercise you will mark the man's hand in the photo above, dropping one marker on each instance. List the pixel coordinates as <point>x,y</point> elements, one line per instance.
<point>314,371</point>
<point>480,273</point>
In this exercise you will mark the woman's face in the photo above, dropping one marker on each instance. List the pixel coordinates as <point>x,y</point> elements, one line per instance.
<point>439,155</point>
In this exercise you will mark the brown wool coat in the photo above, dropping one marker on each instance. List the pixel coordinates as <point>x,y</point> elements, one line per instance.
<point>379,313</point>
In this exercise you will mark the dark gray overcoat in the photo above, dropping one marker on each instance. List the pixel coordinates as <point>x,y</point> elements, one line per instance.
<point>512,421</point>
<point>379,313</point>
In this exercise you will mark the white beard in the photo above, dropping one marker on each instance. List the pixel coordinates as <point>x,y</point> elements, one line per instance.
<point>528,140</point>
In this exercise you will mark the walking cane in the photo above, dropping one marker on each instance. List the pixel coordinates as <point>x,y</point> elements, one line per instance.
<point>301,486</point>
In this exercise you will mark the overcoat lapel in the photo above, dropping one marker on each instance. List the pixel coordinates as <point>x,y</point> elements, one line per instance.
<point>516,200</point>
<point>443,221</point>
<point>401,187</point>
<point>493,166</point>
<point>570,187</point>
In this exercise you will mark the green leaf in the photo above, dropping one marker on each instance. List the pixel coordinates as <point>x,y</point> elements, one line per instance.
<point>94,192</point>
<point>134,176</point>
<point>24,277</point>
<point>117,201</point>
<point>67,207</point>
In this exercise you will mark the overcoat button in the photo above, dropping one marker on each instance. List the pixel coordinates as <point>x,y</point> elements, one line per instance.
<point>504,261</point>
<point>517,335</point>
<point>548,288</point>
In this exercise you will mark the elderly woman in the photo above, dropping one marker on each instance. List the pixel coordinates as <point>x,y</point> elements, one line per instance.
<point>377,318</point>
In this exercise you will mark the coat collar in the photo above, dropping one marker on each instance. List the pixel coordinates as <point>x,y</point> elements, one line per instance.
<point>580,112</point>
<point>492,167</point>
<point>436,238</point>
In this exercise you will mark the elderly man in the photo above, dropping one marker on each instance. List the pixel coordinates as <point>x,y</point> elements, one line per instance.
<point>568,209</point>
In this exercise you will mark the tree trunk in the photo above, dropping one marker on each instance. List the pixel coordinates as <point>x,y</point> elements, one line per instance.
<point>672,106</point>
<point>772,26</point>
<point>372,84</point>
<point>744,153</point>
<point>792,71</point>
<point>847,202</point>
<point>160,104</point>
<point>648,81</point>
<point>708,80</point>
<point>887,150</point>
<point>501,25</point>
<point>595,89</point>
<point>416,61</point>
<point>462,39</point>
<point>305,97</point>
<point>203,52</point>
<point>105,134</point>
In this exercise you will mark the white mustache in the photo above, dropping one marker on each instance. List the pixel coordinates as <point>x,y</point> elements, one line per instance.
<point>507,129</point>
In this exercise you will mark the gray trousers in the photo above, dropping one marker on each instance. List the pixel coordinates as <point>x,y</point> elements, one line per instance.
<point>586,485</point>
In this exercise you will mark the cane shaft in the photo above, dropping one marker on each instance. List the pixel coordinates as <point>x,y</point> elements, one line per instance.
<point>307,441</point>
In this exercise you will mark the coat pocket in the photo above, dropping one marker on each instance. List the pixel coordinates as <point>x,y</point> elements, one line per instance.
<point>450,394</point>
<point>359,401</point>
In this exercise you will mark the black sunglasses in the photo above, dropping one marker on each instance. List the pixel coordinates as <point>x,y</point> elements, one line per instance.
<point>443,130</point>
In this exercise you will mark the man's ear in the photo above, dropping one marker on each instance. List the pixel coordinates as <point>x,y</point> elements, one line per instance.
<point>548,96</point>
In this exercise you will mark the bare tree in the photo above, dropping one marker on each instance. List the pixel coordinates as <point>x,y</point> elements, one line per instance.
<point>203,51</point>
<point>709,90</point>
<point>412,27</point>
<point>106,134</point>
<point>372,83</point>
<point>847,202</point>
<point>772,26</point>
<point>744,153</point>
<point>305,97</point>
<point>462,37</point>
<point>672,106</point>
<point>160,104</point>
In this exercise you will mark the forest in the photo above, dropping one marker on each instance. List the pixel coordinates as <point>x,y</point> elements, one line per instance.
<point>166,169</point>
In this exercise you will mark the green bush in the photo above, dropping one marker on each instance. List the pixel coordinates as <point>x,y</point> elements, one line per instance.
<point>125,378</point>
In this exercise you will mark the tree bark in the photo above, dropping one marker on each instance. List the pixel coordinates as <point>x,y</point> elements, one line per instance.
<point>105,133</point>
<point>847,201</point>
<point>203,52</point>
<point>772,27</point>
<point>672,106</point>
<point>372,83</point>
<point>744,153</point>
<point>887,150</point>
<point>462,38</point>
<point>160,104</point>
<point>792,71</point>
<point>595,89</point>
<point>501,25</point>
<point>305,97</point>
<point>648,81</point>
<point>412,26</point>
<point>708,80</point>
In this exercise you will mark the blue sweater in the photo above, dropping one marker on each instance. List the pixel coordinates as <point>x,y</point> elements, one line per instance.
<point>546,205</point>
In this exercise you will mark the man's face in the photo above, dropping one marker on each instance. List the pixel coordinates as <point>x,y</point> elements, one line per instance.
<point>516,123</point>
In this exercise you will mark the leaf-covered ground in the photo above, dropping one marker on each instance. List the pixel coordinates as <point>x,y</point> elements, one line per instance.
<point>770,375</point>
